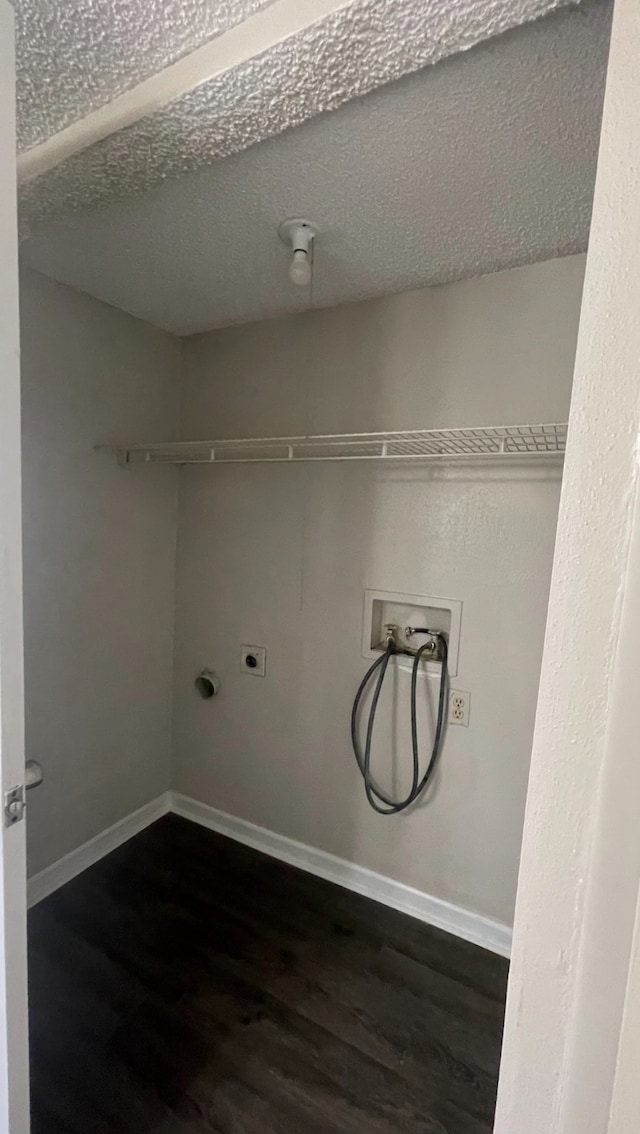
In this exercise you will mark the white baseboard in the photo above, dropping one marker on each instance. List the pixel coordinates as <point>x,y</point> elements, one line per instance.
<point>484,931</point>
<point>54,876</point>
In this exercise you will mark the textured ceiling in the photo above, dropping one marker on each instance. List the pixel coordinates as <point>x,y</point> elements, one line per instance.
<point>484,161</point>
<point>363,44</point>
<point>75,55</point>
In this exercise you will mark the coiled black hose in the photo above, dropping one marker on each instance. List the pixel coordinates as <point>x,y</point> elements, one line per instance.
<point>379,800</point>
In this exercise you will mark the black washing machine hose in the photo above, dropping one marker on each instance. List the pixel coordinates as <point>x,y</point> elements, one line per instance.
<point>379,800</point>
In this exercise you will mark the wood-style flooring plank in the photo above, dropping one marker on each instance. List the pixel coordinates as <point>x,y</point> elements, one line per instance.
<point>186,984</point>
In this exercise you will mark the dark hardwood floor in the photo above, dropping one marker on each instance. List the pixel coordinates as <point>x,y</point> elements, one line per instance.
<point>186,984</point>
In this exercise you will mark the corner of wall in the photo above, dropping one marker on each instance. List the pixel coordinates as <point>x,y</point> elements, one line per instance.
<point>180,373</point>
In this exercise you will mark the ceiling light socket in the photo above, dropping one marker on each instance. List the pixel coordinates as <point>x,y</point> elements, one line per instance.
<point>299,234</point>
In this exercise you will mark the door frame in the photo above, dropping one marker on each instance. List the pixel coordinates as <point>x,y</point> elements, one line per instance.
<point>580,864</point>
<point>14,1060</point>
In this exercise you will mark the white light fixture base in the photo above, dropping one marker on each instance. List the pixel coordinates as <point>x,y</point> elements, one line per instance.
<point>297,229</point>
<point>299,234</point>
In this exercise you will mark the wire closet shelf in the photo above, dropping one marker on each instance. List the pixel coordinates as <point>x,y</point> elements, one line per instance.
<point>497,442</point>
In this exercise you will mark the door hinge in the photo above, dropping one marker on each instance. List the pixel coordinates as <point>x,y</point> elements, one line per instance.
<point>14,805</point>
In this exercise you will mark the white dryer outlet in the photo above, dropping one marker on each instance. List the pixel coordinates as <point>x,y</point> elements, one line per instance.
<point>253,659</point>
<point>459,706</point>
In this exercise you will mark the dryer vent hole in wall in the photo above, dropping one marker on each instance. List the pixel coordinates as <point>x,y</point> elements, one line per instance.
<point>207,684</point>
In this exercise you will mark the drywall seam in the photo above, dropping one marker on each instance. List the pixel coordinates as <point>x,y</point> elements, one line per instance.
<point>473,927</point>
<point>72,864</point>
<point>357,47</point>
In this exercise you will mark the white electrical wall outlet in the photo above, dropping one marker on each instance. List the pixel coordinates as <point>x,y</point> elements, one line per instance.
<point>459,705</point>
<point>253,659</point>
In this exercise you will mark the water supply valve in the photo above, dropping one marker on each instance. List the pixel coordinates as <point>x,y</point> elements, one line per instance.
<point>400,638</point>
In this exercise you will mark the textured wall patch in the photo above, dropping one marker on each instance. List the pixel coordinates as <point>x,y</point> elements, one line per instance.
<point>75,55</point>
<point>357,49</point>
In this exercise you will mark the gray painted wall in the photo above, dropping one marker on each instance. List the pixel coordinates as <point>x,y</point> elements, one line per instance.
<point>99,564</point>
<point>280,556</point>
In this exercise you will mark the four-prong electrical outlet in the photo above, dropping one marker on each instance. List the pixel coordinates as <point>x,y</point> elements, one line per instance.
<point>253,659</point>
